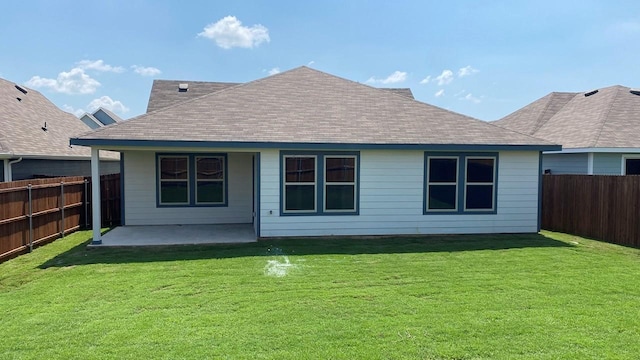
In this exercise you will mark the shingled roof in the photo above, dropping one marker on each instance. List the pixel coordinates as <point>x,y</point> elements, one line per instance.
<point>32,126</point>
<point>608,118</point>
<point>167,92</point>
<point>310,107</point>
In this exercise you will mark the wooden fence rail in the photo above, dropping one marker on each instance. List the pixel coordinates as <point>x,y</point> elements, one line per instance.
<point>34,212</point>
<point>602,207</point>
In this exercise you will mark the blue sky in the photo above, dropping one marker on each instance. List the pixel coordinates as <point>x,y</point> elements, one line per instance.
<point>482,59</point>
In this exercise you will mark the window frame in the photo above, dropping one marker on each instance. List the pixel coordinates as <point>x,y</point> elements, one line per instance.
<point>429,183</point>
<point>626,157</point>
<point>160,180</point>
<point>351,183</point>
<point>285,183</point>
<point>461,190</point>
<point>192,180</point>
<point>320,182</point>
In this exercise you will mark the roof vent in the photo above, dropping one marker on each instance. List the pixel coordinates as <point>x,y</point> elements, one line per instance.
<point>590,93</point>
<point>183,87</point>
<point>44,128</point>
<point>19,99</point>
<point>635,91</point>
<point>22,90</point>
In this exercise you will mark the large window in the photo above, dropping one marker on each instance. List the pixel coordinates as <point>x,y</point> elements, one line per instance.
<point>460,183</point>
<point>631,164</point>
<point>191,180</point>
<point>319,183</point>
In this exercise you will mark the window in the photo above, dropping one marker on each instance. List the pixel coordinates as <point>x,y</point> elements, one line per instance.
<point>460,183</point>
<point>442,183</point>
<point>319,183</point>
<point>191,180</point>
<point>631,165</point>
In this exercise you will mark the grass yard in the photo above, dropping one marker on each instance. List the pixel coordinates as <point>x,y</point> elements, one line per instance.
<point>546,296</point>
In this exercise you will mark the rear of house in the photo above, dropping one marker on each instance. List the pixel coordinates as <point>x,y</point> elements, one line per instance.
<point>304,153</point>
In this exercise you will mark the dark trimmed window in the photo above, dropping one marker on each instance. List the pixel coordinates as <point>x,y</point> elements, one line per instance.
<point>460,183</point>
<point>632,166</point>
<point>191,180</point>
<point>319,183</point>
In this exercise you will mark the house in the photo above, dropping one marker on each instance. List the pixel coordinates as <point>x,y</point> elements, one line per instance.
<point>34,138</point>
<point>99,118</point>
<point>306,153</point>
<point>598,130</point>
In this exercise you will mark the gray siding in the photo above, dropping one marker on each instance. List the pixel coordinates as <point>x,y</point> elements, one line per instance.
<point>565,163</point>
<point>607,164</point>
<point>28,168</point>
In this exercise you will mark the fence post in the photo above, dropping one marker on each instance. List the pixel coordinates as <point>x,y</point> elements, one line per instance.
<point>62,227</point>
<point>86,211</point>
<point>30,219</point>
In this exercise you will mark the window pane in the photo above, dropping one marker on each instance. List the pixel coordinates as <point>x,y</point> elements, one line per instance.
<point>300,169</point>
<point>173,168</point>
<point>173,192</point>
<point>340,197</point>
<point>210,168</point>
<point>443,170</point>
<point>442,197</point>
<point>340,169</point>
<point>210,192</point>
<point>480,170</point>
<point>479,197</point>
<point>633,166</point>
<point>300,197</point>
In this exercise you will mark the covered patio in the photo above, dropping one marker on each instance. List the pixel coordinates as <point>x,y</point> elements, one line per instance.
<point>158,235</point>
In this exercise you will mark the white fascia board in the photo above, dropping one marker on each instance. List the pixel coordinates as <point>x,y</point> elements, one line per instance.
<point>595,150</point>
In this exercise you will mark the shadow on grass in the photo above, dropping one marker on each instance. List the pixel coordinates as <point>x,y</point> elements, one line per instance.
<point>80,255</point>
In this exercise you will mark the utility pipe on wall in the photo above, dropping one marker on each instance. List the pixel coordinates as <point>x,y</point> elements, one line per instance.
<point>8,173</point>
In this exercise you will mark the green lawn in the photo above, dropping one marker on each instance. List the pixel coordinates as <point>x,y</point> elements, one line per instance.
<point>546,296</point>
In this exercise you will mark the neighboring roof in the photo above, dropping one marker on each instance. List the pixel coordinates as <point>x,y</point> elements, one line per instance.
<point>24,116</point>
<point>165,93</point>
<point>106,117</point>
<point>306,106</point>
<point>609,118</point>
<point>91,121</point>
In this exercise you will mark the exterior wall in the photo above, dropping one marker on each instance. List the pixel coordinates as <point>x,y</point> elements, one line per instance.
<point>27,168</point>
<point>391,199</point>
<point>566,163</point>
<point>140,194</point>
<point>607,164</point>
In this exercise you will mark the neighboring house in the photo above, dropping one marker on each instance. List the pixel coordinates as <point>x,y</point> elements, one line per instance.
<point>598,130</point>
<point>305,153</point>
<point>99,118</point>
<point>34,138</point>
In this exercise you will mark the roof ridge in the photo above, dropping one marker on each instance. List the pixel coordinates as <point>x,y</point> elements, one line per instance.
<point>538,123</point>
<point>605,115</point>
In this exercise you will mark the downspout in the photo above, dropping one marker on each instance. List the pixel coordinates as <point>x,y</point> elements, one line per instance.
<point>8,174</point>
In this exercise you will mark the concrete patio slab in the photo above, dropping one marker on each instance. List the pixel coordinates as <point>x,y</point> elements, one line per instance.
<point>178,235</point>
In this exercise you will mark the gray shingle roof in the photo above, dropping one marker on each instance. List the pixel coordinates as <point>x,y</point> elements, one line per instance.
<point>165,92</point>
<point>21,123</point>
<point>606,119</point>
<point>308,106</point>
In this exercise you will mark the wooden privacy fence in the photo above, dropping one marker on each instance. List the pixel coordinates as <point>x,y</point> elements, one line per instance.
<point>601,207</point>
<point>37,211</point>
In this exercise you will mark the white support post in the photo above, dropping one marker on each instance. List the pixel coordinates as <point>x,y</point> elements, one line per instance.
<point>5,170</point>
<point>95,196</point>
<point>590,163</point>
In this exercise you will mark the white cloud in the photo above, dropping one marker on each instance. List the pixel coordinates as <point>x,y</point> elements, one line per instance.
<point>76,81</point>
<point>426,80</point>
<point>70,109</point>
<point>445,78</point>
<point>275,70</point>
<point>146,70</point>
<point>107,103</point>
<point>439,93</point>
<point>473,99</point>
<point>99,65</point>
<point>228,32</point>
<point>466,71</point>
<point>396,77</point>
<point>311,63</point>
